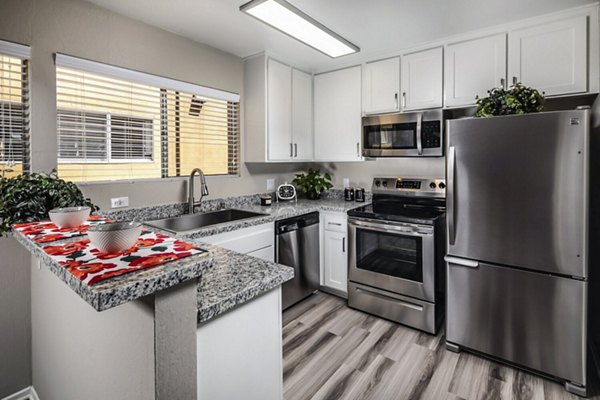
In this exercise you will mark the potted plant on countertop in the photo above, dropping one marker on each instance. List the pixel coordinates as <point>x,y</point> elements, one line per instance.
<point>313,184</point>
<point>518,99</point>
<point>28,197</point>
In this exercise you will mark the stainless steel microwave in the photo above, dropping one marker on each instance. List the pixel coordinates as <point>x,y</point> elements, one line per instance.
<point>419,134</point>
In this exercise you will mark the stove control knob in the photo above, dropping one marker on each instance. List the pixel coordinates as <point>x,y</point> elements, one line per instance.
<point>377,183</point>
<point>433,185</point>
<point>442,185</point>
<point>384,183</point>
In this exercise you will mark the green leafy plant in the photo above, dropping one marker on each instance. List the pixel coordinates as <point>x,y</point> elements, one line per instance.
<point>313,184</point>
<point>29,197</point>
<point>518,99</point>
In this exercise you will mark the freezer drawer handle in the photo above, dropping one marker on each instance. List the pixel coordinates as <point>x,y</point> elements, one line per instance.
<point>393,300</point>
<point>461,262</point>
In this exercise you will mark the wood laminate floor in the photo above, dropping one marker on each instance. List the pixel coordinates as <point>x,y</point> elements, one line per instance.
<point>331,351</point>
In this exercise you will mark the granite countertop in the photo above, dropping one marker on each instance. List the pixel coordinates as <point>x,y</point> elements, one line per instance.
<point>236,278</point>
<point>122,289</point>
<point>228,278</point>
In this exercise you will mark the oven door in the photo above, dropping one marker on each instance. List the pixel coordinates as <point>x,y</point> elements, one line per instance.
<point>393,256</point>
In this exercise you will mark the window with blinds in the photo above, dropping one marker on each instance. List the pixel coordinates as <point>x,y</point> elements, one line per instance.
<point>114,129</point>
<point>14,116</point>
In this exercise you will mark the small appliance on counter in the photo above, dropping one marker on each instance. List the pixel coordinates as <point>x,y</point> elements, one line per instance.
<point>349,194</point>
<point>286,192</point>
<point>396,260</point>
<point>359,195</point>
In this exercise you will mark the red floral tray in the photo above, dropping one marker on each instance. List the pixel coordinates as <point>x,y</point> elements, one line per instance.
<point>46,231</point>
<point>91,266</point>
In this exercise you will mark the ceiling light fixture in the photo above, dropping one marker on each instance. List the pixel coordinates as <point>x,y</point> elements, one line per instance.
<point>286,18</point>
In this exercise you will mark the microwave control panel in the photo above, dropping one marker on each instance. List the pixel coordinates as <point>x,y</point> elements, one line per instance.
<point>431,134</point>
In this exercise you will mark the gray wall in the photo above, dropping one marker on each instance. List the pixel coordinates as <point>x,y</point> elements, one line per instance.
<point>15,318</point>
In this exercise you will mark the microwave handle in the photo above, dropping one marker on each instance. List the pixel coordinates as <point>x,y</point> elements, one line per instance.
<point>419,135</point>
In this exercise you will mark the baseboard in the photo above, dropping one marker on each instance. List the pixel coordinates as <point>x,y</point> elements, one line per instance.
<point>28,393</point>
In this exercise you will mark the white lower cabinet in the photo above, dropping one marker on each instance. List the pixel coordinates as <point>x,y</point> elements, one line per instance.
<point>334,252</point>
<point>240,352</point>
<point>255,241</point>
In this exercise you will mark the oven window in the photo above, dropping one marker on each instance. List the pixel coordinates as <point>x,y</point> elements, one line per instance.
<point>389,254</point>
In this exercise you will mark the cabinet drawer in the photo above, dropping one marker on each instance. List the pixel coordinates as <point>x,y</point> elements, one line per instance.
<point>334,223</point>
<point>245,240</point>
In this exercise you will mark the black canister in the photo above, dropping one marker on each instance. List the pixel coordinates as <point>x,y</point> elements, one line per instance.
<point>349,194</point>
<point>359,195</point>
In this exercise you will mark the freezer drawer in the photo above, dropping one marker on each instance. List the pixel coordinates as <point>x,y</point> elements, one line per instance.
<point>532,319</point>
<point>406,310</point>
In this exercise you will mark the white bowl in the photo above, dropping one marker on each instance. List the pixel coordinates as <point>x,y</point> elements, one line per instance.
<point>69,217</point>
<point>114,237</point>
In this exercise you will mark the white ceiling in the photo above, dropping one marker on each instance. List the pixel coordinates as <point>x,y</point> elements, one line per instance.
<point>376,26</point>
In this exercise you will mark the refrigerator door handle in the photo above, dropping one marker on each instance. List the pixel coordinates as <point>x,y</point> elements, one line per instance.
<point>450,195</point>
<point>461,261</point>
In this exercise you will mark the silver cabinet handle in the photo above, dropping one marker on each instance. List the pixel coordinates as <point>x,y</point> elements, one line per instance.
<point>403,99</point>
<point>515,80</point>
<point>502,83</point>
<point>450,195</point>
<point>419,135</point>
<point>291,150</point>
<point>343,245</point>
<point>358,149</point>
<point>334,223</point>
<point>295,149</point>
<point>396,100</point>
<point>461,261</point>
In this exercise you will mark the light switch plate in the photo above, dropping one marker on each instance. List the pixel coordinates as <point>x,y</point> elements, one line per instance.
<point>346,182</point>
<point>270,184</point>
<point>119,202</point>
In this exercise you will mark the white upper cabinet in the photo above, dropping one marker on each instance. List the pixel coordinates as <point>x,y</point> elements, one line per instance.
<point>337,113</point>
<point>302,119</point>
<point>279,111</point>
<point>421,81</point>
<point>473,67</point>
<point>551,57</point>
<point>382,86</point>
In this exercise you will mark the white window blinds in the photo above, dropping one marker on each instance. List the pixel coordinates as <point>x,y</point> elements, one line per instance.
<point>14,109</point>
<point>110,128</point>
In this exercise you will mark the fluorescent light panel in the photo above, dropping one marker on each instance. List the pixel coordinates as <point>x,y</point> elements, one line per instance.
<point>293,22</point>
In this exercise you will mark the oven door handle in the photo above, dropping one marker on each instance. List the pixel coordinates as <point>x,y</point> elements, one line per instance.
<point>406,230</point>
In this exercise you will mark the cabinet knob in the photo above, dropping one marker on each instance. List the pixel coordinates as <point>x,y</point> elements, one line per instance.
<point>295,149</point>
<point>515,80</point>
<point>502,83</point>
<point>291,150</point>
<point>396,100</point>
<point>403,99</point>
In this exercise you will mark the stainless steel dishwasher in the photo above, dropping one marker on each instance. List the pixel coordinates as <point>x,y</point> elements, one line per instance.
<point>297,246</point>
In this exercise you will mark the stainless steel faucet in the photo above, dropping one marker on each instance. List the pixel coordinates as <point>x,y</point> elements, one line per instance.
<point>203,189</point>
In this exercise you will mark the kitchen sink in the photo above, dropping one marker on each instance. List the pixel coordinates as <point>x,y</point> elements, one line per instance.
<point>190,222</point>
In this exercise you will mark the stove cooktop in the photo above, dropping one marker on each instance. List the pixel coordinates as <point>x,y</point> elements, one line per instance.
<point>398,212</point>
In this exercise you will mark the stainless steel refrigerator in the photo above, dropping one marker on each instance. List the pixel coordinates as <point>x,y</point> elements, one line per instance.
<point>517,254</point>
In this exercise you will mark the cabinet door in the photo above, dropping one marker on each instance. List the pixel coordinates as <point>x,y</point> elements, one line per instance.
<point>551,57</point>
<point>302,119</point>
<point>421,77</point>
<point>337,111</point>
<point>279,111</point>
<point>336,260</point>
<point>382,86</point>
<point>474,67</point>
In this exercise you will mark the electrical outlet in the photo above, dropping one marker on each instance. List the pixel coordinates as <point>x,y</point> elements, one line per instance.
<point>270,184</point>
<point>119,202</point>
<point>346,182</point>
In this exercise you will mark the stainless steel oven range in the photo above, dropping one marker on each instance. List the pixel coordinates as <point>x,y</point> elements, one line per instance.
<point>396,249</point>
